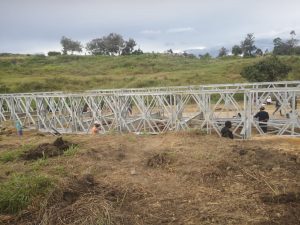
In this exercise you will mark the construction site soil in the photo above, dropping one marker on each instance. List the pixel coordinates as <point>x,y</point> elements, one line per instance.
<point>175,178</point>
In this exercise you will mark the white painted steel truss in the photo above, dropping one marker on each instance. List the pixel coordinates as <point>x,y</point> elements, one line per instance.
<point>157,110</point>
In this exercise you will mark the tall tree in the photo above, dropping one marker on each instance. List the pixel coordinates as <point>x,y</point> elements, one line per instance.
<point>113,44</point>
<point>129,46</point>
<point>248,46</point>
<point>170,51</point>
<point>292,42</point>
<point>97,47</point>
<point>280,47</point>
<point>223,52</point>
<point>288,47</point>
<point>70,46</point>
<point>236,50</point>
<point>259,52</point>
<point>293,34</point>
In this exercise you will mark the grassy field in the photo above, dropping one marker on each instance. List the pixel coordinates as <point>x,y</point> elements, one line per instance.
<point>75,73</point>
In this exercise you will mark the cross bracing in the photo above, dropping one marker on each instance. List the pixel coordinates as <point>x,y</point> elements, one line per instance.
<point>157,110</point>
<point>204,87</point>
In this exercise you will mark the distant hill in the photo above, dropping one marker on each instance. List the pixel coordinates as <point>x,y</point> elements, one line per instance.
<point>76,73</point>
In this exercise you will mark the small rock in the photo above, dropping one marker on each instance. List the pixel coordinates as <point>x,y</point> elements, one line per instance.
<point>293,158</point>
<point>133,171</point>
<point>243,152</point>
<point>276,169</point>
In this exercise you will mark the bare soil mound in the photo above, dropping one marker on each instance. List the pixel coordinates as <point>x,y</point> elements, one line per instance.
<point>47,150</point>
<point>267,158</point>
<point>6,131</point>
<point>84,201</point>
<point>280,198</point>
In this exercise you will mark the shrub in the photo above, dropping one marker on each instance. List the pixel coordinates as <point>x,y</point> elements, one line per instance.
<point>269,69</point>
<point>52,53</point>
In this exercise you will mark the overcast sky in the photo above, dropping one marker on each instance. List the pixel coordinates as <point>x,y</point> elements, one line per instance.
<point>31,26</point>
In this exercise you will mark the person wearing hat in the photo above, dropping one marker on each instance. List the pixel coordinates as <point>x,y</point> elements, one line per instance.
<point>263,118</point>
<point>96,127</point>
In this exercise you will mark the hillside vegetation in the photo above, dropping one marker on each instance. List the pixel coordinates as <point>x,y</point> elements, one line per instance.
<point>75,73</point>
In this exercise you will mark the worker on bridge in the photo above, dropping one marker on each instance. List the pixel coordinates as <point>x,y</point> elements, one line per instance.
<point>96,128</point>
<point>263,118</point>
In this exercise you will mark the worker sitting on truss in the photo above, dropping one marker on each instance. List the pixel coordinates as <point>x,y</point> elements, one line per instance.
<point>226,132</point>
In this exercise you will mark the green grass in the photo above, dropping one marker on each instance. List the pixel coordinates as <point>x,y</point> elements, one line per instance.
<point>71,151</point>
<point>17,193</point>
<point>12,155</point>
<point>38,164</point>
<point>76,73</point>
<point>61,170</point>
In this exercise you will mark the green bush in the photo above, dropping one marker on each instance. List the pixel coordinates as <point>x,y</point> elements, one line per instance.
<point>53,53</point>
<point>269,69</point>
<point>18,192</point>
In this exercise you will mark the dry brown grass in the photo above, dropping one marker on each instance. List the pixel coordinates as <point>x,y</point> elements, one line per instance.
<point>206,180</point>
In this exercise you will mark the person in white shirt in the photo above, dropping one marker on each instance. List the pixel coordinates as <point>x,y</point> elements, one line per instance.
<point>269,100</point>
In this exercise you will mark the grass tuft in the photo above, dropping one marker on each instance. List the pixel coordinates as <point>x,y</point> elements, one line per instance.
<point>12,155</point>
<point>71,151</point>
<point>18,192</point>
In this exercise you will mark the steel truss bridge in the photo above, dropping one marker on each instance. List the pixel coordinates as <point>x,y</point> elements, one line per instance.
<point>158,110</point>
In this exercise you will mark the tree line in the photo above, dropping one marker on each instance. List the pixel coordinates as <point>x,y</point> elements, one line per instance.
<point>247,47</point>
<point>112,44</point>
<point>268,69</point>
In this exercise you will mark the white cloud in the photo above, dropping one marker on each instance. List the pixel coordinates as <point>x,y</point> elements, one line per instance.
<point>285,32</point>
<point>152,23</point>
<point>180,30</point>
<point>197,47</point>
<point>151,32</point>
<point>178,51</point>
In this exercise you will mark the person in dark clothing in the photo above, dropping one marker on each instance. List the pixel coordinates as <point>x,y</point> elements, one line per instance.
<point>226,132</point>
<point>277,107</point>
<point>263,118</point>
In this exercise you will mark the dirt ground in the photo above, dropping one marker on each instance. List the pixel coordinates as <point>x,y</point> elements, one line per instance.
<point>175,178</point>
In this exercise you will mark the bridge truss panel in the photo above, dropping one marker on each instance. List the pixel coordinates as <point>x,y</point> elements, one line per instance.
<point>158,110</point>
